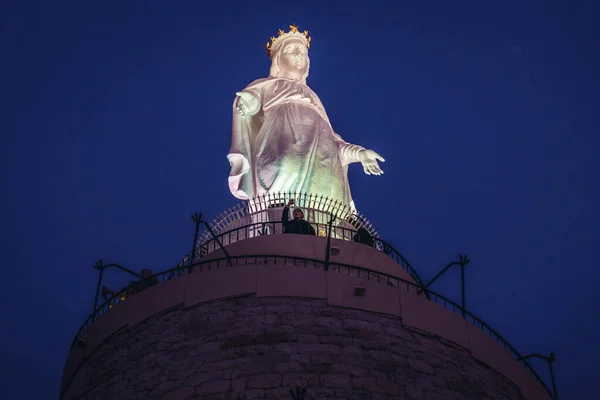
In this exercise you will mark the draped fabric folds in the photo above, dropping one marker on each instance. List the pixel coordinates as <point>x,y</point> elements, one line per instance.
<point>288,146</point>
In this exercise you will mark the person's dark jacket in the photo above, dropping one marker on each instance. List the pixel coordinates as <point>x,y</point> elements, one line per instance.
<point>300,227</point>
<point>363,236</point>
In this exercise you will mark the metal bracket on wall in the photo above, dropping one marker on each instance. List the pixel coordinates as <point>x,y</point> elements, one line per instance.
<point>328,247</point>
<point>197,218</point>
<point>101,267</point>
<point>550,360</point>
<point>463,260</point>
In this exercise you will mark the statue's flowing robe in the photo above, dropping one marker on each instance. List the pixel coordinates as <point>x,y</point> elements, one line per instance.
<point>288,146</point>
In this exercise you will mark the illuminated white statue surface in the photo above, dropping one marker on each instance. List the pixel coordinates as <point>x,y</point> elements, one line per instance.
<point>282,140</point>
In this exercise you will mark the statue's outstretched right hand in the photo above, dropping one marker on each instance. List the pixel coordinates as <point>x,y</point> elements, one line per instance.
<point>247,104</point>
<point>369,158</point>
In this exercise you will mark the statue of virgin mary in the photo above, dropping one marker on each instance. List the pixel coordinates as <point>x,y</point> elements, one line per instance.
<point>282,140</point>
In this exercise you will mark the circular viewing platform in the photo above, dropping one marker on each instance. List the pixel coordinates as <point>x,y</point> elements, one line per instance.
<point>243,254</point>
<point>263,216</point>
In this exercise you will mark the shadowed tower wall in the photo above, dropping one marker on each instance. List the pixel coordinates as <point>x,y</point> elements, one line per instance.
<point>263,326</point>
<point>262,347</point>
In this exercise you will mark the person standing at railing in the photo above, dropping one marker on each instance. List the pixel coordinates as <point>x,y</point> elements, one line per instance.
<point>363,236</point>
<point>147,280</point>
<point>298,225</point>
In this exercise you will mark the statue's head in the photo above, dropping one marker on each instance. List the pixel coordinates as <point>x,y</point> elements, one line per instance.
<point>289,54</point>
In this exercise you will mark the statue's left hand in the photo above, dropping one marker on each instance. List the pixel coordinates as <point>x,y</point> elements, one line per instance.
<point>369,158</point>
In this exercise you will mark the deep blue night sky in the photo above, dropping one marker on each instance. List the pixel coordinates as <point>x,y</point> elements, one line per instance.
<point>115,123</point>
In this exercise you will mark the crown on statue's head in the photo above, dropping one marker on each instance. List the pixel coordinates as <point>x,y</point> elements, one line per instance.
<point>293,33</point>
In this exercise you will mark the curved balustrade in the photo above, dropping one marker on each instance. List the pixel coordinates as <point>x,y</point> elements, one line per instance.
<point>317,209</point>
<point>262,216</point>
<point>334,267</point>
<point>236,234</point>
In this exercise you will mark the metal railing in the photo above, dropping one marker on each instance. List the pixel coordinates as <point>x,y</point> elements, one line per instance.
<point>334,267</point>
<point>276,227</point>
<point>317,208</point>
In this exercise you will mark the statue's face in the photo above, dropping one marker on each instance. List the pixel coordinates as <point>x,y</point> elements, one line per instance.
<point>293,56</point>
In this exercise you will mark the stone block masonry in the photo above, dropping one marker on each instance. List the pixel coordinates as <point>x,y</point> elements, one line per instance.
<point>260,348</point>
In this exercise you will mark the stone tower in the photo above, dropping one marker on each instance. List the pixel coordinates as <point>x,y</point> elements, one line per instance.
<point>256,314</point>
